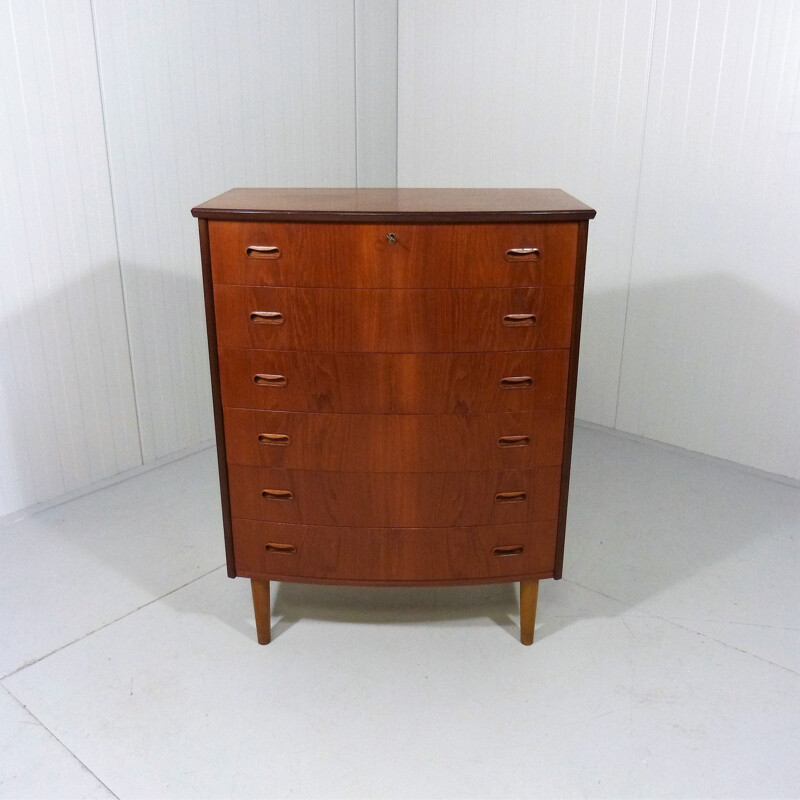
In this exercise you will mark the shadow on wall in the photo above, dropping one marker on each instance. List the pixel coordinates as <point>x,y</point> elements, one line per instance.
<point>166,318</point>
<point>712,364</point>
<point>70,413</point>
<point>69,416</point>
<point>641,519</point>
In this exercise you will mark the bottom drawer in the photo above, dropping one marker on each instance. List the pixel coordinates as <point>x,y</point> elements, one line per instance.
<point>281,551</point>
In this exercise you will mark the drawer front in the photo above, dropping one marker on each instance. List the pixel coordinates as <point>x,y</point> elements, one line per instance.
<point>421,256</point>
<point>394,443</point>
<point>403,555</point>
<point>386,499</point>
<point>394,320</point>
<point>405,383</point>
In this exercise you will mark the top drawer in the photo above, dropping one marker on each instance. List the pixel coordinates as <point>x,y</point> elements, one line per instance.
<point>393,256</point>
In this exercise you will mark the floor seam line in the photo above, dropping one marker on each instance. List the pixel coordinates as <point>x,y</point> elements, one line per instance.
<point>50,733</point>
<point>106,624</point>
<point>661,618</point>
<point>729,645</point>
<point>731,622</point>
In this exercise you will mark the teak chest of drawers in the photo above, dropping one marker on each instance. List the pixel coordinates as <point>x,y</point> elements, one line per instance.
<point>393,376</point>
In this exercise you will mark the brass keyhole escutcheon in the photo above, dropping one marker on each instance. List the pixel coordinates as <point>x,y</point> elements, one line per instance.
<point>392,238</point>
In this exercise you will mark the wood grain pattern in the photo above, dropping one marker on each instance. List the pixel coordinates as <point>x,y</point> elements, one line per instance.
<point>379,383</point>
<point>393,320</point>
<point>394,443</point>
<point>387,499</point>
<point>421,256</point>
<point>395,205</point>
<point>393,555</point>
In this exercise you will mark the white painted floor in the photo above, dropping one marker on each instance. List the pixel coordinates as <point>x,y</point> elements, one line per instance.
<point>667,662</point>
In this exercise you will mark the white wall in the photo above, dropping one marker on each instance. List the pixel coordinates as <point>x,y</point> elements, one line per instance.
<point>680,123</point>
<point>67,414</point>
<point>376,92</point>
<point>712,342</point>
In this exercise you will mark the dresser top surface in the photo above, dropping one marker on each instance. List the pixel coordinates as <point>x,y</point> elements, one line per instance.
<point>395,205</point>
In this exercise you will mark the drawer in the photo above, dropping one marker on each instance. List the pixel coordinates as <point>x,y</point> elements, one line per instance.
<point>402,555</point>
<point>422,256</point>
<point>400,383</point>
<point>394,442</point>
<point>394,320</point>
<point>402,499</point>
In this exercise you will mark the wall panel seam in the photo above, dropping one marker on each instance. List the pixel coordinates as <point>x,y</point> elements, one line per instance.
<point>116,230</point>
<point>355,89</point>
<point>646,102</point>
<point>397,92</point>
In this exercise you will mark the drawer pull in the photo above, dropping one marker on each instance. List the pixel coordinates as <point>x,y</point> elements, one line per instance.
<point>280,549</point>
<point>513,441</point>
<point>517,382</point>
<point>267,318</point>
<point>515,320</point>
<point>269,380</point>
<point>263,251</point>
<point>508,550</point>
<point>277,494</point>
<point>510,497</point>
<point>523,254</point>
<point>280,439</point>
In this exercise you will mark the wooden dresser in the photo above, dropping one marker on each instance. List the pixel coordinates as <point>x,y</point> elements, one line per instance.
<point>393,376</point>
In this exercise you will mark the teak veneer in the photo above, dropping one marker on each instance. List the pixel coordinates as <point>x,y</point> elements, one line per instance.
<point>393,375</point>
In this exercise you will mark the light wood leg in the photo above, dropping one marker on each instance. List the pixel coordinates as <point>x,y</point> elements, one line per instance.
<point>261,607</point>
<point>528,595</point>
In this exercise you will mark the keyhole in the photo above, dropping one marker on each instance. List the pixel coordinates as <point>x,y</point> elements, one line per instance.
<point>391,237</point>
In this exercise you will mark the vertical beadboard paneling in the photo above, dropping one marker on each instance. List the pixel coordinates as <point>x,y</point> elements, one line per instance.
<point>712,347</point>
<point>536,94</point>
<point>201,96</point>
<point>67,414</point>
<point>376,92</point>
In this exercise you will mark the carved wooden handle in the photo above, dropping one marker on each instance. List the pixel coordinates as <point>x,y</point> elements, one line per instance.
<point>508,550</point>
<point>523,254</point>
<point>280,548</point>
<point>513,441</point>
<point>263,251</point>
<point>267,318</point>
<point>277,494</point>
<point>280,439</point>
<point>515,320</point>
<point>269,380</point>
<point>516,382</point>
<point>510,497</point>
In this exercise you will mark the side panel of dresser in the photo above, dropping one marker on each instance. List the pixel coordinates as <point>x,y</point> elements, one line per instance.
<point>572,385</point>
<point>219,427</point>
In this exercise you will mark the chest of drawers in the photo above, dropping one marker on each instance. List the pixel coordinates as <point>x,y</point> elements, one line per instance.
<point>393,374</point>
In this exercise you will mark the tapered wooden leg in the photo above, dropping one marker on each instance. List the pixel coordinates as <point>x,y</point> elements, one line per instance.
<point>528,595</point>
<point>261,608</point>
